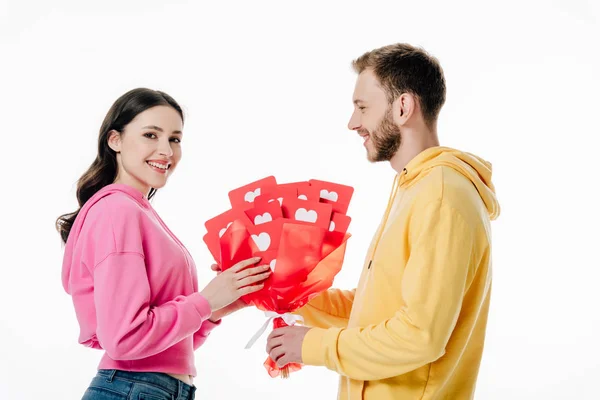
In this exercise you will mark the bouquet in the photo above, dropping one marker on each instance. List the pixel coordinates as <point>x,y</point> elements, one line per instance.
<point>299,229</point>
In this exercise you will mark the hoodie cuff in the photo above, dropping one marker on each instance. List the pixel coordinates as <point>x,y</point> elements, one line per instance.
<point>315,345</point>
<point>202,305</point>
<point>208,326</point>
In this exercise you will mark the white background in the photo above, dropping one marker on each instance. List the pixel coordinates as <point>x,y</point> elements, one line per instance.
<point>267,89</point>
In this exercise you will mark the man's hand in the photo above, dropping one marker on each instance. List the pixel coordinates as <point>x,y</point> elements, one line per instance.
<point>284,345</point>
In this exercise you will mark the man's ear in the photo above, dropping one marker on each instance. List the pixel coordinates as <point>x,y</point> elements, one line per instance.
<point>403,108</point>
<point>114,141</point>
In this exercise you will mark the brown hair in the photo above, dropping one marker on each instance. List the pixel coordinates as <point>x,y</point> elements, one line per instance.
<point>103,170</point>
<point>402,68</point>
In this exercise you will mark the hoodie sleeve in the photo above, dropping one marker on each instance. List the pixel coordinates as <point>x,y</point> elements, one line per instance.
<point>202,334</point>
<point>128,328</point>
<point>433,285</point>
<point>329,309</point>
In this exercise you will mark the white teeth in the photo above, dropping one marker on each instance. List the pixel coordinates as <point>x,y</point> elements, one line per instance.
<point>161,166</point>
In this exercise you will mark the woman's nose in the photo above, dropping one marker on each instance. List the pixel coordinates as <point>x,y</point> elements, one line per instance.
<point>165,148</point>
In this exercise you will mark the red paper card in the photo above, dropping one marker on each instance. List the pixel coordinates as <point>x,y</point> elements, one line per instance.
<point>307,211</point>
<point>310,193</point>
<point>245,195</point>
<point>266,236</point>
<point>212,243</point>
<point>262,213</point>
<point>335,194</point>
<point>273,193</point>
<point>339,223</point>
<point>219,224</point>
<point>267,258</point>
<point>295,185</point>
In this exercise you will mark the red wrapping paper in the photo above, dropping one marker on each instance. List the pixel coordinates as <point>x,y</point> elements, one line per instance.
<point>303,237</point>
<point>308,259</point>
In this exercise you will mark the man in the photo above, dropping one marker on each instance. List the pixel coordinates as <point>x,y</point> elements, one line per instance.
<point>414,327</point>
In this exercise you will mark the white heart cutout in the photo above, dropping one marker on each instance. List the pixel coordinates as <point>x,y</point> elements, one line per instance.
<point>222,231</point>
<point>280,199</point>
<point>261,219</point>
<point>262,240</point>
<point>302,214</point>
<point>331,226</point>
<point>303,197</point>
<point>272,264</point>
<point>333,196</point>
<point>250,196</point>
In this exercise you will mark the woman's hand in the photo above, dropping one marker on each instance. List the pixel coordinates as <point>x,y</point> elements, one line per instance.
<point>237,281</point>
<point>227,310</point>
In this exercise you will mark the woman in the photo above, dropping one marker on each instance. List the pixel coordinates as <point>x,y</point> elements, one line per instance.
<point>133,283</point>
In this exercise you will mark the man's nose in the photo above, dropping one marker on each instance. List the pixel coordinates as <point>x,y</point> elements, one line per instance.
<point>354,123</point>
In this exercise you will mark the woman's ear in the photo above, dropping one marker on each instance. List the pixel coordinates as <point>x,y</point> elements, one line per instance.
<point>114,141</point>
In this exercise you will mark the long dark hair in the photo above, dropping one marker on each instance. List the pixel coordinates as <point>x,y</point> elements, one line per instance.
<point>103,170</point>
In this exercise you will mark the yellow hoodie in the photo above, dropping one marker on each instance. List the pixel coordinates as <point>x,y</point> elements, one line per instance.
<point>415,325</point>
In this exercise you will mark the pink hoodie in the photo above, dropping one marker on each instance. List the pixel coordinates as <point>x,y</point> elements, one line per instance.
<point>134,286</point>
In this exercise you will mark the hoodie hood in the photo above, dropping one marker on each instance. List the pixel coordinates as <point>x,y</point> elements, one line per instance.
<point>474,168</point>
<point>70,256</point>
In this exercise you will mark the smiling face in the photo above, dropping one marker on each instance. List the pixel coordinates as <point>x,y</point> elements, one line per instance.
<point>149,148</point>
<point>372,118</point>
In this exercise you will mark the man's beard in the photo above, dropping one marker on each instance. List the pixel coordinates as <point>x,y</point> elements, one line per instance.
<point>386,139</point>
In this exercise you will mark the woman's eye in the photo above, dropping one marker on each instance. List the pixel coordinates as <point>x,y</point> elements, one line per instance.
<point>176,140</point>
<point>361,108</point>
<point>150,135</point>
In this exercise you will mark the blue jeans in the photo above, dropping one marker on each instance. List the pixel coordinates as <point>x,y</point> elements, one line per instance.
<point>112,384</point>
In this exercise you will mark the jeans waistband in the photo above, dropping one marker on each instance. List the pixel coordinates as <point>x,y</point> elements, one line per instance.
<point>179,389</point>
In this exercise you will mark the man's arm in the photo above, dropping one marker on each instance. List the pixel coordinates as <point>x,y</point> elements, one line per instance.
<point>434,281</point>
<point>329,309</point>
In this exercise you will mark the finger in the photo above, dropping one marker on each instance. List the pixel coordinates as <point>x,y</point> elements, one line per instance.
<point>243,264</point>
<point>271,344</point>
<point>250,289</point>
<point>215,267</point>
<point>282,361</point>
<point>253,279</point>
<point>252,271</point>
<point>276,333</point>
<point>277,353</point>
